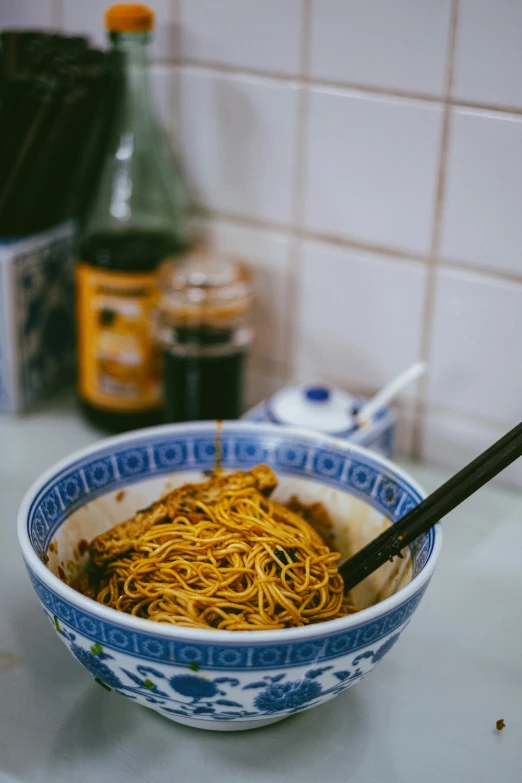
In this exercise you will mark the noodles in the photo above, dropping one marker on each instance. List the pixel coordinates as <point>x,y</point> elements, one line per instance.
<point>240,563</point>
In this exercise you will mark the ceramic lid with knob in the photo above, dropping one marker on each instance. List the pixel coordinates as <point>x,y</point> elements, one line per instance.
<point>322,408</point>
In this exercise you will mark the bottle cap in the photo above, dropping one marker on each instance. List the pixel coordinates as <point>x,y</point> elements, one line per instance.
<point>129,18</point>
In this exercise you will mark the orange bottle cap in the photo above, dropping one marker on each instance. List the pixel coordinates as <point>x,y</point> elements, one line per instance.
<point>129,18</point>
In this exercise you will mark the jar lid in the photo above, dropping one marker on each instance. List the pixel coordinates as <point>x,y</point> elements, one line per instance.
<point>322,408</point>
<point>205,288</point>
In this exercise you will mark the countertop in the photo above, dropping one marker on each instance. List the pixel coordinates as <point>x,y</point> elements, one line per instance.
<point>426,714</point>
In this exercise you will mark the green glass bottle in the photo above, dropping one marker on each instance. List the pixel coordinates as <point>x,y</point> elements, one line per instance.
<point>139,216</point>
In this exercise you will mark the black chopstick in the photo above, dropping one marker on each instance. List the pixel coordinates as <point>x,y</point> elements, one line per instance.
<point>420,519</point>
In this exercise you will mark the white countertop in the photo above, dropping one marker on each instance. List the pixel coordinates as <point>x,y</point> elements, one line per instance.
<point>426,714</point>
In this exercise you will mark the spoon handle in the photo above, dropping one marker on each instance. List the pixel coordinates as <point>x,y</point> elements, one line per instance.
<point>433,508</point>
<point>388,392</point>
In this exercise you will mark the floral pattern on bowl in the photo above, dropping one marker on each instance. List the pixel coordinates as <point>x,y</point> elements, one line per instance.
<point>220,698</point>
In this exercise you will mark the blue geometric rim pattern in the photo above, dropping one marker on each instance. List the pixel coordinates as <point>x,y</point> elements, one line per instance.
<point>111,469</point>
<point>223,656</point>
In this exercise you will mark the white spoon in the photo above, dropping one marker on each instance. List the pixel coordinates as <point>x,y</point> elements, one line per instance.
<point>388,392</point>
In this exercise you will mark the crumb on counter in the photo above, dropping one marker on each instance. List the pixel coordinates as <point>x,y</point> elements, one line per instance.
<point>120,495</point>
<point>500,724</point>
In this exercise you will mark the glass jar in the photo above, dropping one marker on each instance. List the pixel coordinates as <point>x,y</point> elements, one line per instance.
<point>203,326</point>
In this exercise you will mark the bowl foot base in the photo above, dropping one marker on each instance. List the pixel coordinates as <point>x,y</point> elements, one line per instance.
<point>225,725</point>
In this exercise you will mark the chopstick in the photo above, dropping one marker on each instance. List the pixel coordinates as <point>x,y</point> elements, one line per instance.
<point>420,519</point>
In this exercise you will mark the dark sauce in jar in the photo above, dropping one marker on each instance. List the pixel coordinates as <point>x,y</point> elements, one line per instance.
<point>204,324</point>
<point>208,386</point>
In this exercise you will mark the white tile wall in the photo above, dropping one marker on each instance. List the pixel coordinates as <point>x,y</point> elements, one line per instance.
<point>365,170</point>
<point>238,142</point>
<point>262,380</point>
<point>483,208</point>
<point>407,422</point>
<point>26,14</point>
<point>372,168</point>
<point>87,16</point>
<point>475,356</point>
<point>394,44</point>
<point>488,60</point>
<point>243,33</point>
<point>360,316</point>
<point>454,440</point>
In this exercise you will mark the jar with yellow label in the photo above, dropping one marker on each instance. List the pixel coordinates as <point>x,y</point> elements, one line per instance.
<point>138,218</point>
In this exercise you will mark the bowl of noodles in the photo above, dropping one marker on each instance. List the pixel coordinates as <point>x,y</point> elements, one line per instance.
<point>193,568</point>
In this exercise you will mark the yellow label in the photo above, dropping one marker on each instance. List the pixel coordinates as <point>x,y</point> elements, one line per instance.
<point>119,364</point>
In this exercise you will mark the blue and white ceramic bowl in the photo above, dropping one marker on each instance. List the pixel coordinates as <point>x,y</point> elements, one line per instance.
<point>221,679</point>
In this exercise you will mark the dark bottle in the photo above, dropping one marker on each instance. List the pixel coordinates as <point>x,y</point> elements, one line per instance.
<point>139,216</point>
<point>204,328</point>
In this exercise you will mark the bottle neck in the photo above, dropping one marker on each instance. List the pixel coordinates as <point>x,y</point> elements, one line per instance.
<point>132,51</point>
<point>140,188</point>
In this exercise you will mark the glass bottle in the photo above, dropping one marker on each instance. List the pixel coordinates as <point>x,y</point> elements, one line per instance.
<point>138,217</point>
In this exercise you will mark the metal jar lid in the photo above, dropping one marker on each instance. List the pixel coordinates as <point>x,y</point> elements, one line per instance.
<point>205,290</point>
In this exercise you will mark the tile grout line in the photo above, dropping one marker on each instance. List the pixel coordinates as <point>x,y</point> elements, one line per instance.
<point>290,230</point>
<point>491,274</point>
<point>362,88</point>
<point>221,69</point>
<point>303,78</point>
<point>386,253</point>
<point>293,298</point>
<point>429,305</point>
<point>301,137</point>
<point>489,107</point>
